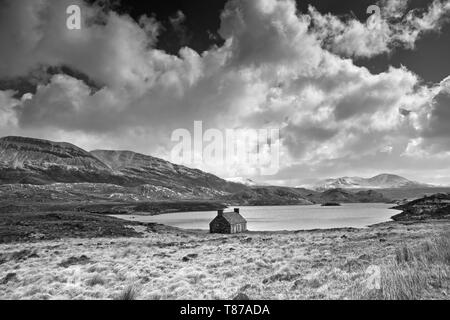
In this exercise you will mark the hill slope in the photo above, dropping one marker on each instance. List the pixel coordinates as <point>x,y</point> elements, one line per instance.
<point>345,196</point>
<point>42,162</point>
<point>157,172</point>
<point>432,207</point>
<point>35,161</point>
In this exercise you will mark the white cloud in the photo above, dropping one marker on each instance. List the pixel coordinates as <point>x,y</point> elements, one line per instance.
<point>381,33</point>
<point>274,70</point>
<point>431,124</point>
<point>7,115</point>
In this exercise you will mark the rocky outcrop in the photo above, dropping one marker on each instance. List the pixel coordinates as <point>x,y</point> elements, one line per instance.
<point>433,207</point>
<point>34,161</point>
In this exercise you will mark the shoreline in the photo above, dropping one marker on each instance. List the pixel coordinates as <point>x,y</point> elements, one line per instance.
<point>391,223</point>
<point>35,226</point>
<point>130,217</point>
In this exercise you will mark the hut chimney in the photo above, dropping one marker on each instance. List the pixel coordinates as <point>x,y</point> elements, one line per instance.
<point>220,213</point>
<point>236,210</point>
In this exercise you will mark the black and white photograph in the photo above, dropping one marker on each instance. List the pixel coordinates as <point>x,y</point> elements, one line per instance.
<point>224,150</point>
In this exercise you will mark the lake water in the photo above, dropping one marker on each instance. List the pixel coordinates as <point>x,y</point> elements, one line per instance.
<point>278,218</point>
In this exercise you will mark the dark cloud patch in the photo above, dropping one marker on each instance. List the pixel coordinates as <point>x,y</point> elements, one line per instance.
<point>303,137</point>
<point>42,76</point>
<point>73,73</point>
<point>358,104</point>
<point>439,120</point>
<point>404,112</point>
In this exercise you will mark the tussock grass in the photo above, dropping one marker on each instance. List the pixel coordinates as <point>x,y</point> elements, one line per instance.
<point>438,250</point>
<point>413,274</point>
<point>96,280</point>
<point>129,293</point>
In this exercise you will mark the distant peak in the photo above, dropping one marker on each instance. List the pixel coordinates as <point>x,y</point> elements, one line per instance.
<point>388,175</point>
<point>384,180</point>
<point>245,181</point>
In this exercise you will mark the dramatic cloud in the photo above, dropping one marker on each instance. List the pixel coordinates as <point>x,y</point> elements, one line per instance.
<point>392,27</point>
<point>278,68</point>
<point>7,116</point>
<point>431,124</point>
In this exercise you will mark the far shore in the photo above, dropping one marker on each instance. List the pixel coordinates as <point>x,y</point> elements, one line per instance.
<point>137,217</point>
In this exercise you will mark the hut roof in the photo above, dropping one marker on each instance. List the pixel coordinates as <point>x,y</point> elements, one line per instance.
<point>233,217</point>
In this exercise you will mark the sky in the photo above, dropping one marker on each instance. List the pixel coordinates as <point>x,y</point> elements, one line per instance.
<point>352,93</point>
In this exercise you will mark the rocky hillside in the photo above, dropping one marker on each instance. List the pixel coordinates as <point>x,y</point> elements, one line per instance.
<point>433,207</point>
<point>382,181</point>
<point>262,196</point>
<point>299,196</point>
<point>345,196</point>
<point>34,161</point>
<point>41,162</point>
<point>42,171</point>
<point>149,170</point>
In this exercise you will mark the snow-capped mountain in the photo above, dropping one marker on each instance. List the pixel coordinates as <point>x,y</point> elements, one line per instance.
<point>246,181</point>
<point>382,181</point>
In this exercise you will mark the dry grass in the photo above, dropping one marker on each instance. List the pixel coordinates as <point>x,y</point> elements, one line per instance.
<point>415,273</point>
<point>96,280</point>
<point>129,293</point>
<point>320,264</point>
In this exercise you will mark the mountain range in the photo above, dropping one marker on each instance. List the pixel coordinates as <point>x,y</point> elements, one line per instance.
<point>40,162</point>
<point>382,181</point>
<point>31,167</point>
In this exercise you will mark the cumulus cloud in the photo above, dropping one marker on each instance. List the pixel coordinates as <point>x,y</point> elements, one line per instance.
<point>278,68</point>
<point>35,33</point>
<point>7,115</point>
<point>381,33</point>
<point>269,33</point>
<point>431,124</point>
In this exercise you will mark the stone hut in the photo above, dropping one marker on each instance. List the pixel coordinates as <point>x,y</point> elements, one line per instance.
<point>228,222</point>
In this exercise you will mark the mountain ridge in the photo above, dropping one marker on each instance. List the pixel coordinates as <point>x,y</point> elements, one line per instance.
<point>130,176</point>
<point>159,172</point>
<point>381,181</point>
<point>37,161</point>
